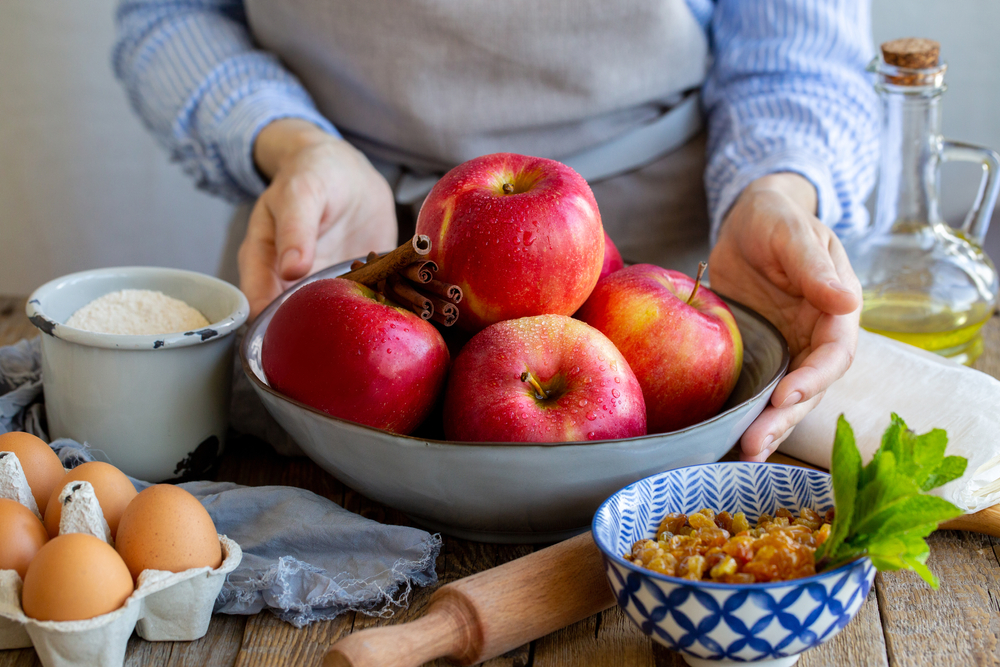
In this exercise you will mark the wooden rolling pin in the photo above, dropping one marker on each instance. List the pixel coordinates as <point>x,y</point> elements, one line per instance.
<point>492,612</point>
<point>489,613</point>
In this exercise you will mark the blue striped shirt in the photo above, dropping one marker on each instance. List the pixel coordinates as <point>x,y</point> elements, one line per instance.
<point>786,92</point>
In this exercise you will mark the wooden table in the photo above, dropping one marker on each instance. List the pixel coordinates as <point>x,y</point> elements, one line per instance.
<point>903,622</point>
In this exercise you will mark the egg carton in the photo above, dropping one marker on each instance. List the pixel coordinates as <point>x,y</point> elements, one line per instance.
<point>165,606</point>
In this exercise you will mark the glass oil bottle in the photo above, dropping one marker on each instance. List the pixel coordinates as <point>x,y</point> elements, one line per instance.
<point>924,283</point>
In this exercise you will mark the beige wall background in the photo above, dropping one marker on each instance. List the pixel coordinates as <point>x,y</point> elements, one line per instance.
<point>83,185</point>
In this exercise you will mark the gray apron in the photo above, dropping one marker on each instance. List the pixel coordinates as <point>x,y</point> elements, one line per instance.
<point>606,87</point>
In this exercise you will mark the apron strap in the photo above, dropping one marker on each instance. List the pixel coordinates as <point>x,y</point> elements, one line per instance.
<point>640,146</point>
<point>622,154</point>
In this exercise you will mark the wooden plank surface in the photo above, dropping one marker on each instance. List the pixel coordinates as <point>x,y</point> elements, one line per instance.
<point>902,623</point>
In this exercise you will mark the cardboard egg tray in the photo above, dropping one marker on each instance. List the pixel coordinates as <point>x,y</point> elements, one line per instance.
<point>165,606</point>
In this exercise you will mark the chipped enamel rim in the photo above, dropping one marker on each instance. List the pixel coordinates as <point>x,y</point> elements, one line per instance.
<point>139,277</point>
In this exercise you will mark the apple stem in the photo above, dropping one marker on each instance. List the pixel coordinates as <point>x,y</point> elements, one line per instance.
<point>697,281</point>
<point>508,189</point>
<point>540,394</point>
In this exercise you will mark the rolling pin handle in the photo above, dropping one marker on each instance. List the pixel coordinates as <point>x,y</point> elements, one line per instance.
<point>445,631</point>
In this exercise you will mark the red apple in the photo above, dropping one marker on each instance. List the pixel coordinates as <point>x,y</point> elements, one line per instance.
<point>612,258</point>
<point>520,235</point>
<point>337,346</point>
<point>687,356</point>
<point>547,378</point>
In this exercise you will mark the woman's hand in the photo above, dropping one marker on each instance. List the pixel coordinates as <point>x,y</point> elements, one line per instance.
<point>775,256</point>
<point>326,203</point>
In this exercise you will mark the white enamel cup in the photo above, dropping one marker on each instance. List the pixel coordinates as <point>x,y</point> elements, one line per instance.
<point>154,406</point>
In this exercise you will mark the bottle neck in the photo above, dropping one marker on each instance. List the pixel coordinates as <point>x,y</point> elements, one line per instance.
<point>908,188</point>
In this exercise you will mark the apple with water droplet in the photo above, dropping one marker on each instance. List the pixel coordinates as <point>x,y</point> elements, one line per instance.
<point>339,347</point>
<point>520,235</point>
<point>546,378</point>
<point>681,340</point>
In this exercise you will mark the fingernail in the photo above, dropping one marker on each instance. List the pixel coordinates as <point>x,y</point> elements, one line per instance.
<point>791,399</point>
<point>837,285</point>
<point>290,259</point>
<point>765,448</point>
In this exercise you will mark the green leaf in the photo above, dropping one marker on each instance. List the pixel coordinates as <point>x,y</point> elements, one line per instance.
<point>845,466</point>
<point>904,513</point>
<point>951,468</point>
<point>904,551</point>
<point>881,510</point>
<point>916,456</point>
<point>886,486</point>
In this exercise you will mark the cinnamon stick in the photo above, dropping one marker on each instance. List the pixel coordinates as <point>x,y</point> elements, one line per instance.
<point>420,272</point>
<point>446,319</point>
<point>379,268</point>
<point>447,309</point>
<point>447,291</point>
<point>406,296</point>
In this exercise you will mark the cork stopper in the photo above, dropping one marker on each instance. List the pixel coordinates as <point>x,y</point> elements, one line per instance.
<point>912,53</point>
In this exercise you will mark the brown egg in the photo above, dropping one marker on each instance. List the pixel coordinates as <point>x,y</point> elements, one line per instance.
<point>113,490</point>
<point>75,577</point>
<point>41,465</point>
<point>20,537</point>
<point>166,528</point>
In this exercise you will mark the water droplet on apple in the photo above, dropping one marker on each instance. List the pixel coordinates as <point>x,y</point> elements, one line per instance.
<point>576,369</point>
<point>388,351</point>
<point>586,380</point>
<point>573,411</point>
<point>529,238</point>
<point>615,393</point>
<point>614,365</point>
<point>392,326</point>
<point>405,329</point>
<point>600,399</point>
<point>583,402</point>
<point>617,380</point>
<point>602,367</point>
<point>591,416</point>
<point>591,436</point>
<point>600,357</point>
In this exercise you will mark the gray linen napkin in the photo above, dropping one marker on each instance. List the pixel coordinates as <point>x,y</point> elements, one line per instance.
<point>305,558</point>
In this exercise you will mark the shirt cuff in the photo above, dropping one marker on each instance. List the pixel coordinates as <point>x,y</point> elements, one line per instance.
<point>244,122</point>
<point>829,209</point>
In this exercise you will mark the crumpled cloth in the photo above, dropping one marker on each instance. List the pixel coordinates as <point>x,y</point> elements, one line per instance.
<point>305,558</point>
<point>928,392</point>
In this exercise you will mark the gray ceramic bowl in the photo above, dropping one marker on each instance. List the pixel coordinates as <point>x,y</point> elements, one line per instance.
<point>504,492</point>
<point>154,406</point>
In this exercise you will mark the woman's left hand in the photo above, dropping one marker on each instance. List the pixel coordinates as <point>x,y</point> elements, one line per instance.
<point>774,255</point>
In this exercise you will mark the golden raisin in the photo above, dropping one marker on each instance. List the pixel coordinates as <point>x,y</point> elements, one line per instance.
<point>724,547</point>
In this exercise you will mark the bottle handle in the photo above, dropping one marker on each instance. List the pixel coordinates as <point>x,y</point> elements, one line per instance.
<point>977,220</point>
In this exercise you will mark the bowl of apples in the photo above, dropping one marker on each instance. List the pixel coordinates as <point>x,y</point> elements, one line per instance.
<point>565,377</point>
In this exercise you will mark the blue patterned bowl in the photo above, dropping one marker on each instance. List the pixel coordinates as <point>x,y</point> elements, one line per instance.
<point>720,624</point>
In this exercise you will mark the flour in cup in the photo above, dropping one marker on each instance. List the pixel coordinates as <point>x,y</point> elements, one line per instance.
<point>137,312</point>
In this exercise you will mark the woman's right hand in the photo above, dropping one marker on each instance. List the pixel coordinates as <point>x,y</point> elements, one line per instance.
<point>325,203</point>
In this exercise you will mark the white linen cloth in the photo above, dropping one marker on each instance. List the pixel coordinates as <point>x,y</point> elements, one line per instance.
<point>928,392</point>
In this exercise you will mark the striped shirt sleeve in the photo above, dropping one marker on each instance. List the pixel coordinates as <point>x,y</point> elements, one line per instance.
<point>787,91</point>
<point>199,84</point>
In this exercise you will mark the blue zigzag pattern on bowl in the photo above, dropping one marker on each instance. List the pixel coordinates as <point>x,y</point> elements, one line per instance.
<point>669,623</point>
<point>635,511</point>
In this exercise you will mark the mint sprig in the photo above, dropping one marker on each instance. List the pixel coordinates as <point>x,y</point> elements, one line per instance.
<point>882,511</point>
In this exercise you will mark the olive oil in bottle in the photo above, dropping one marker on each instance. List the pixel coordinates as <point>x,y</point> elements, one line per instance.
<point>918,320</point>
<point>923,282</point>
